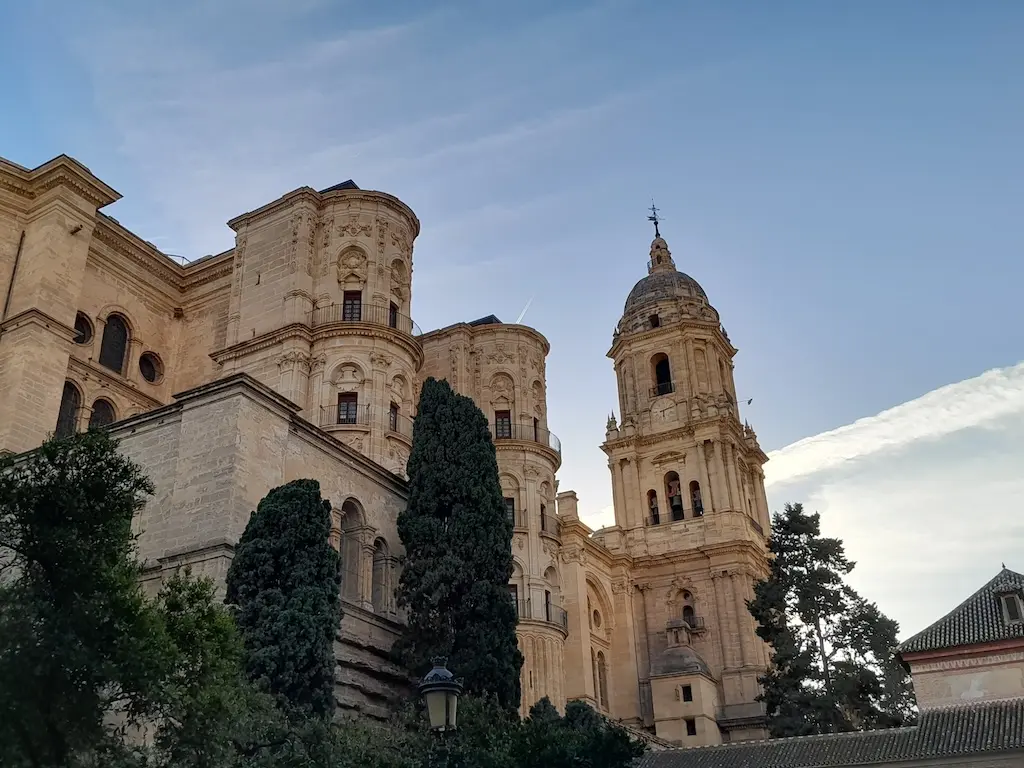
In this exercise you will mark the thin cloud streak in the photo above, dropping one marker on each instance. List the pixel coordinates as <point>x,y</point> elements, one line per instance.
<point>970,403</point>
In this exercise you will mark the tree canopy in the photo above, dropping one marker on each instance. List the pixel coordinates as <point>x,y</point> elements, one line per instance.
<point>458,550</point>
<point>284,581</point>
<point>834,665</point>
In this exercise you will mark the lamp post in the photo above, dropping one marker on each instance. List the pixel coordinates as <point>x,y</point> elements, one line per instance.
<point>440,691</point>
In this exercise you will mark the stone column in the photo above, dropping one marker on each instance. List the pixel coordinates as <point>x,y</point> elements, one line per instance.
<point>377,398</point>
<point>366,574</point>
<point>314,389</point>
<point>732,468</point>
<point>722,485</point>
<point>741,626</point>
<point>707,496</point>
<point>719,584</point>
<point>691,368</point>
<point>131,364</point>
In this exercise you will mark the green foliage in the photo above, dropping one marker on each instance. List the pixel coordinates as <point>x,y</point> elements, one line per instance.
<point>834,665</point>
<point>77,636</point>
<point>458,550</point>
<point>284,581</point>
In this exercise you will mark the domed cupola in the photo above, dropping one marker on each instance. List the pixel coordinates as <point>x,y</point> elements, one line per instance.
<point>666,293</point>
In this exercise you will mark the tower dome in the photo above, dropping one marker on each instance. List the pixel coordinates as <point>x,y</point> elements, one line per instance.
<point>663,291</point>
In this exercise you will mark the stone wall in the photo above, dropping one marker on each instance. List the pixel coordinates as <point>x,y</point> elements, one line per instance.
<point>213,454</point>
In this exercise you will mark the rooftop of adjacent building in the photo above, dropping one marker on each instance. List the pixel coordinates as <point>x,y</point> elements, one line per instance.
<point>988,727</point>
<point>992,614</point>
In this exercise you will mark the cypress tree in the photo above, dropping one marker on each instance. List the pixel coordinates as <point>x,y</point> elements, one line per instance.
<point>284,581</point>
<point>458,550</point>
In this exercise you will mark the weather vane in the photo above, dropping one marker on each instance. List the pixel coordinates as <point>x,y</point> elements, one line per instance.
<point>654,218</point>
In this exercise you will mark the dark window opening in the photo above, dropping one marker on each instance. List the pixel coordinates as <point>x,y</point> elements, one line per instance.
<point>652,505</point>
<point>687,693</point>
<point>547,605</point>
<point>150,367</point>
<point>393,417</point>
<point>695,499</point>
<point>510,508</point>
<point>503,424</point>
<point>102,414</point>
<point>513,590</point>
<point>688,616</point>
<point>114,344</point>
<point>83,329</point>
<point>67,416</point>
<point>352,306</point>
<point>543,518</point>
<point>662,375</point>
<point>691,726</point>
<point>393,315</point>
<point>1013,612</point>
<point>655,321</point>
<point>348,407</point>
<point>536,429</point>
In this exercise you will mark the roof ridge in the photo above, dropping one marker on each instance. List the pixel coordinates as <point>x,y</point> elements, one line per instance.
<point>941,621</point>
<point>976,704</point>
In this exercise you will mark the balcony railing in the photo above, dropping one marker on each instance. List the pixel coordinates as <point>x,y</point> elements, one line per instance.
<point>399,424</point>
<point>520,519</point>
<point>345,415</point>
<point>504,430</point>
<point>371,314</point>
<point>663,388</point>
<point>552,614</point>
<point>549,524</point>
<point>675,516</point>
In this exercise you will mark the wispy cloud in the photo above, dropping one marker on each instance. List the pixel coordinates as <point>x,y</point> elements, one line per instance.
<point>926,496</point>
<point>974,402</point>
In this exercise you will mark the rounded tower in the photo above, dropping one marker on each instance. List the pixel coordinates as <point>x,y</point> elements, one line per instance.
<point>690,509</point>
<point>366,351</point>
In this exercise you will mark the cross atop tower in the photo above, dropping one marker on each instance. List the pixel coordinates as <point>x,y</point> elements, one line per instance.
<point>654,218</point>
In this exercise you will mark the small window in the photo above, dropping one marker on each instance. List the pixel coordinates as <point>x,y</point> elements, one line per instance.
<point>150,367</point>
<point>688,693</point>
<point>393,417</point>
<point>114,345</point>
<point>393,315</point>
<point>691,726</point>
<point>348,407</point>
<point>503,425</point>
<point>1012,608</point>
<point>543,518</point>
<point>510,508</point>
<point>83,329</point>
<point>102,414</point>
<point>596,620</point>
<point>67,416</point>
<point>352,306</point>
<point>655,321</point>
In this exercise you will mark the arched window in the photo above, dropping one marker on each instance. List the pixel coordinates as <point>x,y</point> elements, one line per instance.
<point>652,507</point>
<point>661,372</point>
<point>102,414</point>
<point>114,346</point>
<point>381,593</point>
<point>675,495</point>
<point>695,498</point>
<point>351,550</point>
<point>688,614</point>
<point>602,680</point>
<point>67,417</point>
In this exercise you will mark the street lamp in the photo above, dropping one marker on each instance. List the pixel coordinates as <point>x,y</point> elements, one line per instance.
<point>440,690</point>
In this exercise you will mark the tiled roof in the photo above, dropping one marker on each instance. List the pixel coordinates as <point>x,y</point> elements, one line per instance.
<point>978,619</point>
<point>989,727</point>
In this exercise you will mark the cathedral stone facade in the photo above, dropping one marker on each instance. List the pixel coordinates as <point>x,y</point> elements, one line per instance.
<point>294,354</point>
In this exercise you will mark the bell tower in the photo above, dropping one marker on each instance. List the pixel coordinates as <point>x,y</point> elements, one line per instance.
<point>690,511</point>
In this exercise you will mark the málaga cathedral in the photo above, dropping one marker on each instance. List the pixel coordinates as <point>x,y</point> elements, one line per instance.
<point>293,354</point>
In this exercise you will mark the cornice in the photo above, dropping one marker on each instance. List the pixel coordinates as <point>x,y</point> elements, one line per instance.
<point>33,316</point>
<point>59,171</point>
<point>120,385</point>
<point>318,200</point>
<point>530,446</point>
<point>204,271</point>
<point>110,232</point>
<point>411,344</point>
<point>477,333</point>
<point>686,326</point>
<point>266,341</point>
<point>733,428</point>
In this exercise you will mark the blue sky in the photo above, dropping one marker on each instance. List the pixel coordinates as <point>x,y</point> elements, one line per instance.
<point>845,180</point>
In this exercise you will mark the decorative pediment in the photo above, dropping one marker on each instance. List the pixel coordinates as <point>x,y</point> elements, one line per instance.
<point>669,457</point>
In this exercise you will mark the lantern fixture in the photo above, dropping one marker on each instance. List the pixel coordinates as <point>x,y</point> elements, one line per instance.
<point>440,691</point>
